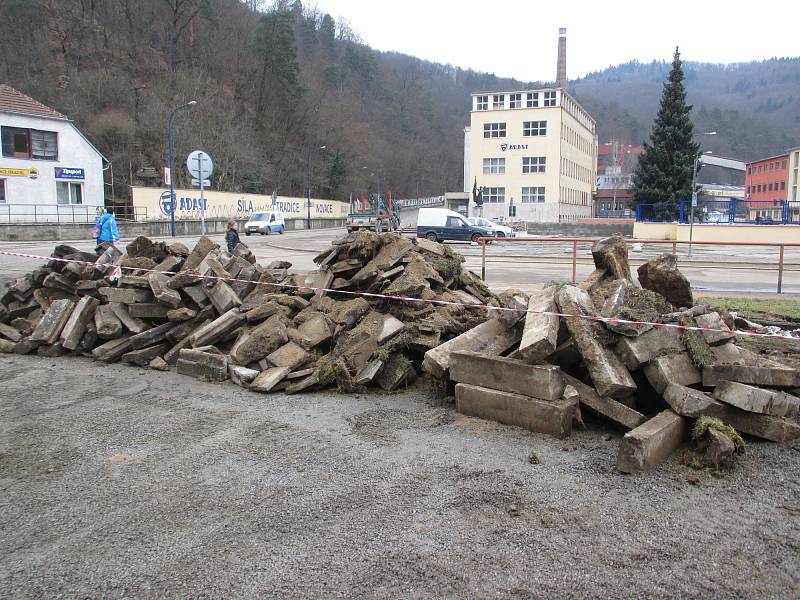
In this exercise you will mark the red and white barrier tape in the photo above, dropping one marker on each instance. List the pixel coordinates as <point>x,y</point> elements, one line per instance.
<point>410,299</point>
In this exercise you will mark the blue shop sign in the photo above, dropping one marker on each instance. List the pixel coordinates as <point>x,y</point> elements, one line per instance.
<point>68,173</point>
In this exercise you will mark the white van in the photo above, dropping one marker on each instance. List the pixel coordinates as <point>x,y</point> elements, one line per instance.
<point>265,223</point>
<point>440,224</point>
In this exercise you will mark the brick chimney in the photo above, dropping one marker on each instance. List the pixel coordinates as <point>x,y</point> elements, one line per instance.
<point>561,70</point>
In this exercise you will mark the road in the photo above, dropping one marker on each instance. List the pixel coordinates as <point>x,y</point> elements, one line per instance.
<point>514,264</point>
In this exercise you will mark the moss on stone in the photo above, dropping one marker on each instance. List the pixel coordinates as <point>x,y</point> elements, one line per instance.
<point>703,424</point>
<point>695,342</point>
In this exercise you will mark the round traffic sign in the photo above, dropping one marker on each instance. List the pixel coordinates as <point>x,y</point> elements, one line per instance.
<point>200,165</point>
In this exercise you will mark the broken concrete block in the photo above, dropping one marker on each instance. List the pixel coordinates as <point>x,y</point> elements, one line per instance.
<point>714,321</point>
<point>52,351</point>
<point>609,408</point>
<point>7,346</point>
<point>256,343</point>
<point>148,310</point>
<point>170,264</point>
<point>241,376</point>
<point>75,326</point>
<point>10,333</point>
<point>609,375</point>
<point>614,307</point>
<point>143,356</point>
<point>368,373</point>
<point>158,364</point>
<point>758,400</point>
<point>315,331</point>
<point>289,355</point>
<point>611,254</point>
<point>218,328</point>
<point>201,249</point>
<point>661,275</point>
<point>222,297</point>
<point>550,417</point>
<point>302,384</point>
<point>540,333</point>
<point>650,443</point>
<point>49,328</point>
<point>489,338</point>
<point>125,295</point>
<point>161,290</point>
<point>397,371</point>
<point>752,375</point>
<point>268,379</point>
<point>181,314</point>
<point>694,404</point>
<point>673,368</point>
<point>203,365</point>
<point>154,335</point>
<point>112,350</point>
<point>107,324</point>
<point>636,351</point>
<point>728,354</point>
<point>544,382</point>
<point>58,282</point>
<point>131,323</point>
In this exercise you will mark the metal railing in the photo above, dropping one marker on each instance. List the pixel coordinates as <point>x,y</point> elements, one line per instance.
<point>779,267</point>
<point>64,214</point>
<point>751,212</point>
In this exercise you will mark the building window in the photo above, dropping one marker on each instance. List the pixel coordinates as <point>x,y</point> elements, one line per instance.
<point>532,101</point>
<point>495,195</point>
<point>494,130</point>
<point>533,194</point>
<point>515,101</point>
<point>483,103</point>
<point>29,143</point>
<point>68,192</point>
<point>770,187</point>
<point>534,128</point>
<point>2,191</point>
<point>533,164</point>
<point>783,185</point>
<point>785,164</point>
<point>549,98</point>
<point>494,166</point>
<point>498,101</point>
<point>747,190</point>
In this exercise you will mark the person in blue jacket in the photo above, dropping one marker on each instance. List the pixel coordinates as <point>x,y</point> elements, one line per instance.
<point>106,227</point>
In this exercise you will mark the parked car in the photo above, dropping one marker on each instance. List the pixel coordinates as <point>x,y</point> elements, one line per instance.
<point>499,230</point>
<point>265,223</point>
<point>440,224</point>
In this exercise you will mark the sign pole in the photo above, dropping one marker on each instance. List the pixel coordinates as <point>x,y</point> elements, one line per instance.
<point>202,195</point>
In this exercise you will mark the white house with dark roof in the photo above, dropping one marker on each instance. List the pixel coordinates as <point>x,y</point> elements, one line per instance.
<point>49,171</point>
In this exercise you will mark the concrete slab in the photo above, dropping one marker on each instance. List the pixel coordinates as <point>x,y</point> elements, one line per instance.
<point>650,443</point>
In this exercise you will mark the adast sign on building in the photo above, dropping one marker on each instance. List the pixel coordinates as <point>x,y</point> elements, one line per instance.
<point>228,205</point>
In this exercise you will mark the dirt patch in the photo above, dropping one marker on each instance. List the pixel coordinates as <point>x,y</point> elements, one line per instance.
<point>381,425</point>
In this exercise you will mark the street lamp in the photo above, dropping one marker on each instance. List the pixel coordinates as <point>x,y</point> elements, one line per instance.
<point>308,175</point>
<point>170,157</point>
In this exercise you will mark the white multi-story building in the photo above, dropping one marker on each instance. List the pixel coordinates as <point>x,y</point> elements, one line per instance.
<point>49,171</point>
<point>534,153</point>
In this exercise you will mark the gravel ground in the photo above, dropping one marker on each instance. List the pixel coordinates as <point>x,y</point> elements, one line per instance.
<point>120,482</point>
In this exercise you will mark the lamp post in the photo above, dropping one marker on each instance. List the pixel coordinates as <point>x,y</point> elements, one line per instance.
<point>170,160</point>
<point>308,175</point>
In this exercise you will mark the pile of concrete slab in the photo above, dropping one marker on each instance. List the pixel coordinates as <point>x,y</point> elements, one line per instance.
<point>217,315</point>
<point>640,355</point>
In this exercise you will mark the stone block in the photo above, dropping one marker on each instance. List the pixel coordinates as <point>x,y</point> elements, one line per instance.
<point>721,333</point>
<point>661,275</point>
<point>10,333</point>
<point>158,364</point>
<point>673,368</point>
<point>203,365</point>
<point>134,281</point>
<point>52,351</point>
<point>316,331</point>
<point>758,400</point>
<point>241,376</point>
<point>728,354</point>
<point>397,371</point>
<point>222,296</point>
<point>269,378</point>
<point>7,346</point>
<point>540,333</point>
<point>611,254</point>
<point>161,290</point>
<point>489,338</point>
<point>636,351</point>
<point>609,375</point>
<point>112,350</point>
<point>143,356</point>
<point>391,327</point>
<point>544,382</point>
<point>107,324</point>
<point>368,373</point>
<point>256,343</point>
<point>289,355</point>
<point>154,335</point>
<point>303,384</point>
<point>148,310</point>
<point>618,294</point>
<point>766,376</point>
<point>218,328</point>
<point>181,314</point>
<point>649,444</point>
<point>75,326</point>
<point>694,404</point>
<point>614,411</point>
<point>201,249</point>
<point>49,328</point>
<point>125,295</point>
<point>131,323</point>
<point>170,264</point>
<point>197,295</point>
<point>550,417</point>
<point>56,281</point>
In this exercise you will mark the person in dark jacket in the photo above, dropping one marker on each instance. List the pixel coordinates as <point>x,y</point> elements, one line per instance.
<point>231,236</point>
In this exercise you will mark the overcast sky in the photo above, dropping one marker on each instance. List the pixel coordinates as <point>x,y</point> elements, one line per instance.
<point>518,38</point>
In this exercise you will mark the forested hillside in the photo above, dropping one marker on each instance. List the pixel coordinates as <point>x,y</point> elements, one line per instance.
<point>270,85</point>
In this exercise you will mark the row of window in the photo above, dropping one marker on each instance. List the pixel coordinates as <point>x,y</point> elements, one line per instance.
<point>766,187</point>
<point>577,197</point>
<point>31,144</point>
<point>529,100</point>
<point>497,195</point>
<point>576,140</point>
<point>530,164</point>
<point>67,192</point>
<point>578,113</point>
<point>575,171</point>
<point>529,129</point>
<point>612,206</point>
<point>775,165</point>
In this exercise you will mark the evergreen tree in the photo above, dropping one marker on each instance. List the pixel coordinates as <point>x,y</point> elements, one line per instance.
<point>336,175</point>
<point>664,172</point>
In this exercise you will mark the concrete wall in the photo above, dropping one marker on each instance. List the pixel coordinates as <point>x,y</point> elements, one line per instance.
<point>768,234</point>
<point>594,230</point>
<point>67,232</point>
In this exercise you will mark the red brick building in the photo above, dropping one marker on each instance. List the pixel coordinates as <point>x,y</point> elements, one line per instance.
<point>766,179</point>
